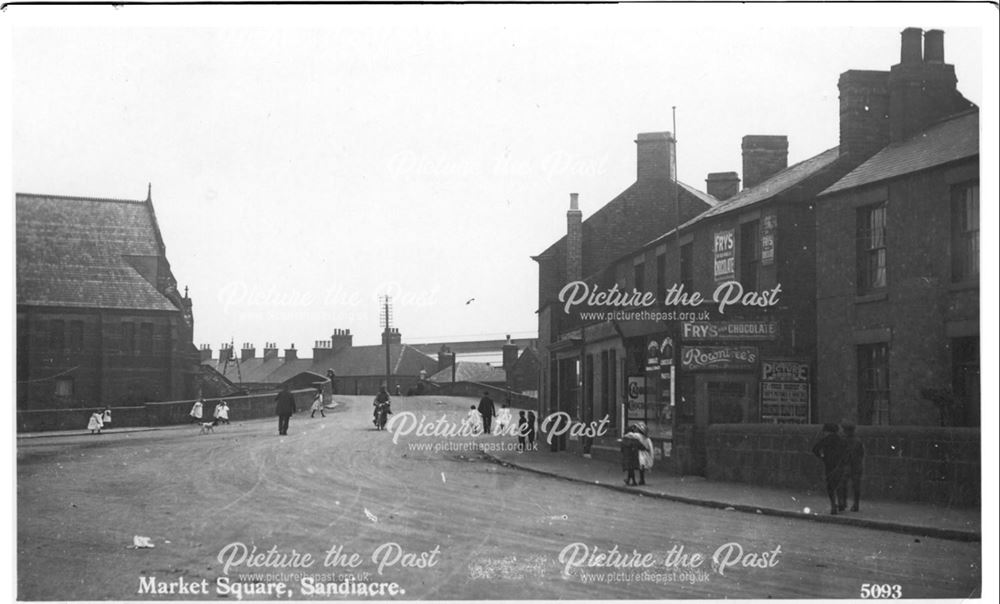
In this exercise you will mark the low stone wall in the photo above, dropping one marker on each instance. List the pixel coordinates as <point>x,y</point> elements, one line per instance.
<point>936,465</point>
<point>474,389</point>
<point>156,414</point>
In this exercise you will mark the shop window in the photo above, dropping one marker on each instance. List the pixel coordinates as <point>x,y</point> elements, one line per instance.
<point>749,254</point>
<point>873,384</point>
<point>613,386</point>
<point>871,225</point>
<point>57,334</point>
<point>965,232</point>
<point>76,336</point>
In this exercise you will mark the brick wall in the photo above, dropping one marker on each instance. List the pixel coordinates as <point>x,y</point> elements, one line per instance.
<point>936,465</point>
<point>155,414</point>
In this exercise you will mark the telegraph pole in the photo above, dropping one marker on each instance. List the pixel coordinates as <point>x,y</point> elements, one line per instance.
<point>385,319</point>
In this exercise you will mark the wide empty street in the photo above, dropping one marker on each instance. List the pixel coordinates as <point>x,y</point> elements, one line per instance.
<point>426,516</point>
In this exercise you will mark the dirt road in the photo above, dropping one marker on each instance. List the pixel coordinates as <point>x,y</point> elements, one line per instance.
<point>437,523</point>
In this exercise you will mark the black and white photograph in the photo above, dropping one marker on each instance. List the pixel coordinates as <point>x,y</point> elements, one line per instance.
<point>464,302</point>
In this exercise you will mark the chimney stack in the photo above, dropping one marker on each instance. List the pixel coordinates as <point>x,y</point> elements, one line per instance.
<point>225,353</point>
<point>270,351</point>
<point>764,155</point>
<point>291,354</point>
<point>322,350</point>
<point>656,156</point>
<point>248,352</point>
<point>341,340</point>
<point>206,352</point>
<point>722,185</point>
<point>392,336</point>
<point>922,87</point>
<point>446,358</point>
<point>574,239</point>
<point>864,112</point>
<point>509,354</point>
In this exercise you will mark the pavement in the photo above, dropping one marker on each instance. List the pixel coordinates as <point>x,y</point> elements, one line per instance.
<point>921,519</point>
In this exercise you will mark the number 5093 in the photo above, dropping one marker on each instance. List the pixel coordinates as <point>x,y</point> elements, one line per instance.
<point>880,591</point>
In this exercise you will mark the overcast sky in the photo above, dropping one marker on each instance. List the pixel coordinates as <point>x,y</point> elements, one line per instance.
<point>305,161</point>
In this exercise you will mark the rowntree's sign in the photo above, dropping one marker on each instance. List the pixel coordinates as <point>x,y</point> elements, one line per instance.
<point>713,358</point>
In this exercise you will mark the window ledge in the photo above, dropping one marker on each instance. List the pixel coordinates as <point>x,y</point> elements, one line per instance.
<point>963,285</point>
<point>871,297</point>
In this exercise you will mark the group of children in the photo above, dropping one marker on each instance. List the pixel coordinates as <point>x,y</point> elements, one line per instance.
<point>843,459</point>
<point>637,453</point>
<point>525,425</point>
<point>220,414</point>
<point>98,420</point>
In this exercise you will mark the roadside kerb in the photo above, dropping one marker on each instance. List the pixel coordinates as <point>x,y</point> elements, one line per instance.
<point>906,529</point>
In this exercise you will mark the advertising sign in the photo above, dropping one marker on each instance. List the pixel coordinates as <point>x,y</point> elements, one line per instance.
<point>784,392</point>
<point>730,330</point>
<point>768,229</point>
<point>717,358</point>
<point>724,250</point>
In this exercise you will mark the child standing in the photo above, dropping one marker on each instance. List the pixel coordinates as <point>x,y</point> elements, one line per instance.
<point>645,453</point>
<point>630,447</point>
<point>473,420</point>
<point>196,411</point>
<point>96,423</point>
<point>317,404</point>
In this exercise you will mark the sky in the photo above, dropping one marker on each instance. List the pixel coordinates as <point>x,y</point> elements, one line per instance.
<point>305,161</point>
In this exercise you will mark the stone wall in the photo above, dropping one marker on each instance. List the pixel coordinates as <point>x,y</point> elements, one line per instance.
<point>156,414</point>
<point>907,463</point>
<point>499,395</point>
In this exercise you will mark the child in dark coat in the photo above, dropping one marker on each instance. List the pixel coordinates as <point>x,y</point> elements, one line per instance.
<point>854,455</point>
<point>631,445</point>
<point>831,450</point>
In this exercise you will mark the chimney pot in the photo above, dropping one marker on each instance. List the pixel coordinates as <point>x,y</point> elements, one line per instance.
<point>911,45</point>
<point>574,201</point>
<point>934,46</point>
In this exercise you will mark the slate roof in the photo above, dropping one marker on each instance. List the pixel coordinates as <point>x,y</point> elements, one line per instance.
<point>780,182</point>
<point>466,371</point>
<point>949,140</point>
<point>72,252</point>
<point>349,362</point>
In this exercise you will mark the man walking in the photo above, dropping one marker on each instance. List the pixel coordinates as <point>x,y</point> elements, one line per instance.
<point>284,407</point>
<point>487,410</point>
<point>831,450</point>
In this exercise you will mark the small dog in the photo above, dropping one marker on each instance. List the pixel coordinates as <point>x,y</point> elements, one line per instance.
<point>207,427</point>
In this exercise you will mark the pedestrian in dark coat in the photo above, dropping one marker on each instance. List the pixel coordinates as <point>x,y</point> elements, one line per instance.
<point>630,447</point>
<point>284,408</point>
<point>531,430</point>
<point>854,455</point>
<point>487,410</point>
<point>830,449</point>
